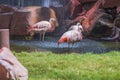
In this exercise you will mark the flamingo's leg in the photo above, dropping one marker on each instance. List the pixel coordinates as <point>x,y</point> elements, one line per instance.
<point>68,45</point>
<point>72,45</point>
<point>40,36</point>
<point>43,36</point>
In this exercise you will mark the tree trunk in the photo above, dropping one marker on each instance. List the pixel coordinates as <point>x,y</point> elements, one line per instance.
<point>5,19</point>
<point>110,3</point>
<point>4,38</point>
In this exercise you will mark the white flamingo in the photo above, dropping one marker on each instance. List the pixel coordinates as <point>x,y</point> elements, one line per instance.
<point>42,27</point>
<point>71,36</point>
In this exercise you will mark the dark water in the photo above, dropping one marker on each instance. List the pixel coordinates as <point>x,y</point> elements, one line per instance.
<point>84,46</point>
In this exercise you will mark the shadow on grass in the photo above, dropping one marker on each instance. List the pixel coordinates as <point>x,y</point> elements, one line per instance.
<point>18,48</point>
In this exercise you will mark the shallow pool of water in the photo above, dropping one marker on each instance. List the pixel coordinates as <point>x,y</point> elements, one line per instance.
<point>87,45</point>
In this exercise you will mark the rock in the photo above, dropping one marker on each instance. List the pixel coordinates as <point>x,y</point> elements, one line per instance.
<point>3,73</point>
<point>38,13</point>
<point>10,67</point>
<point>19,22</point>
<point>6,8</point>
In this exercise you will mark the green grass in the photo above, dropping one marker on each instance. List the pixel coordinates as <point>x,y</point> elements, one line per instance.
<point>89,66</point>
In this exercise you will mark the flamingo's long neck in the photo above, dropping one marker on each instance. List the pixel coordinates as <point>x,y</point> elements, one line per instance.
<point>53,25</point>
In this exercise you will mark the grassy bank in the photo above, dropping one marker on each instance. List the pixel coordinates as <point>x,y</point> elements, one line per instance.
<point>89,66</point>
